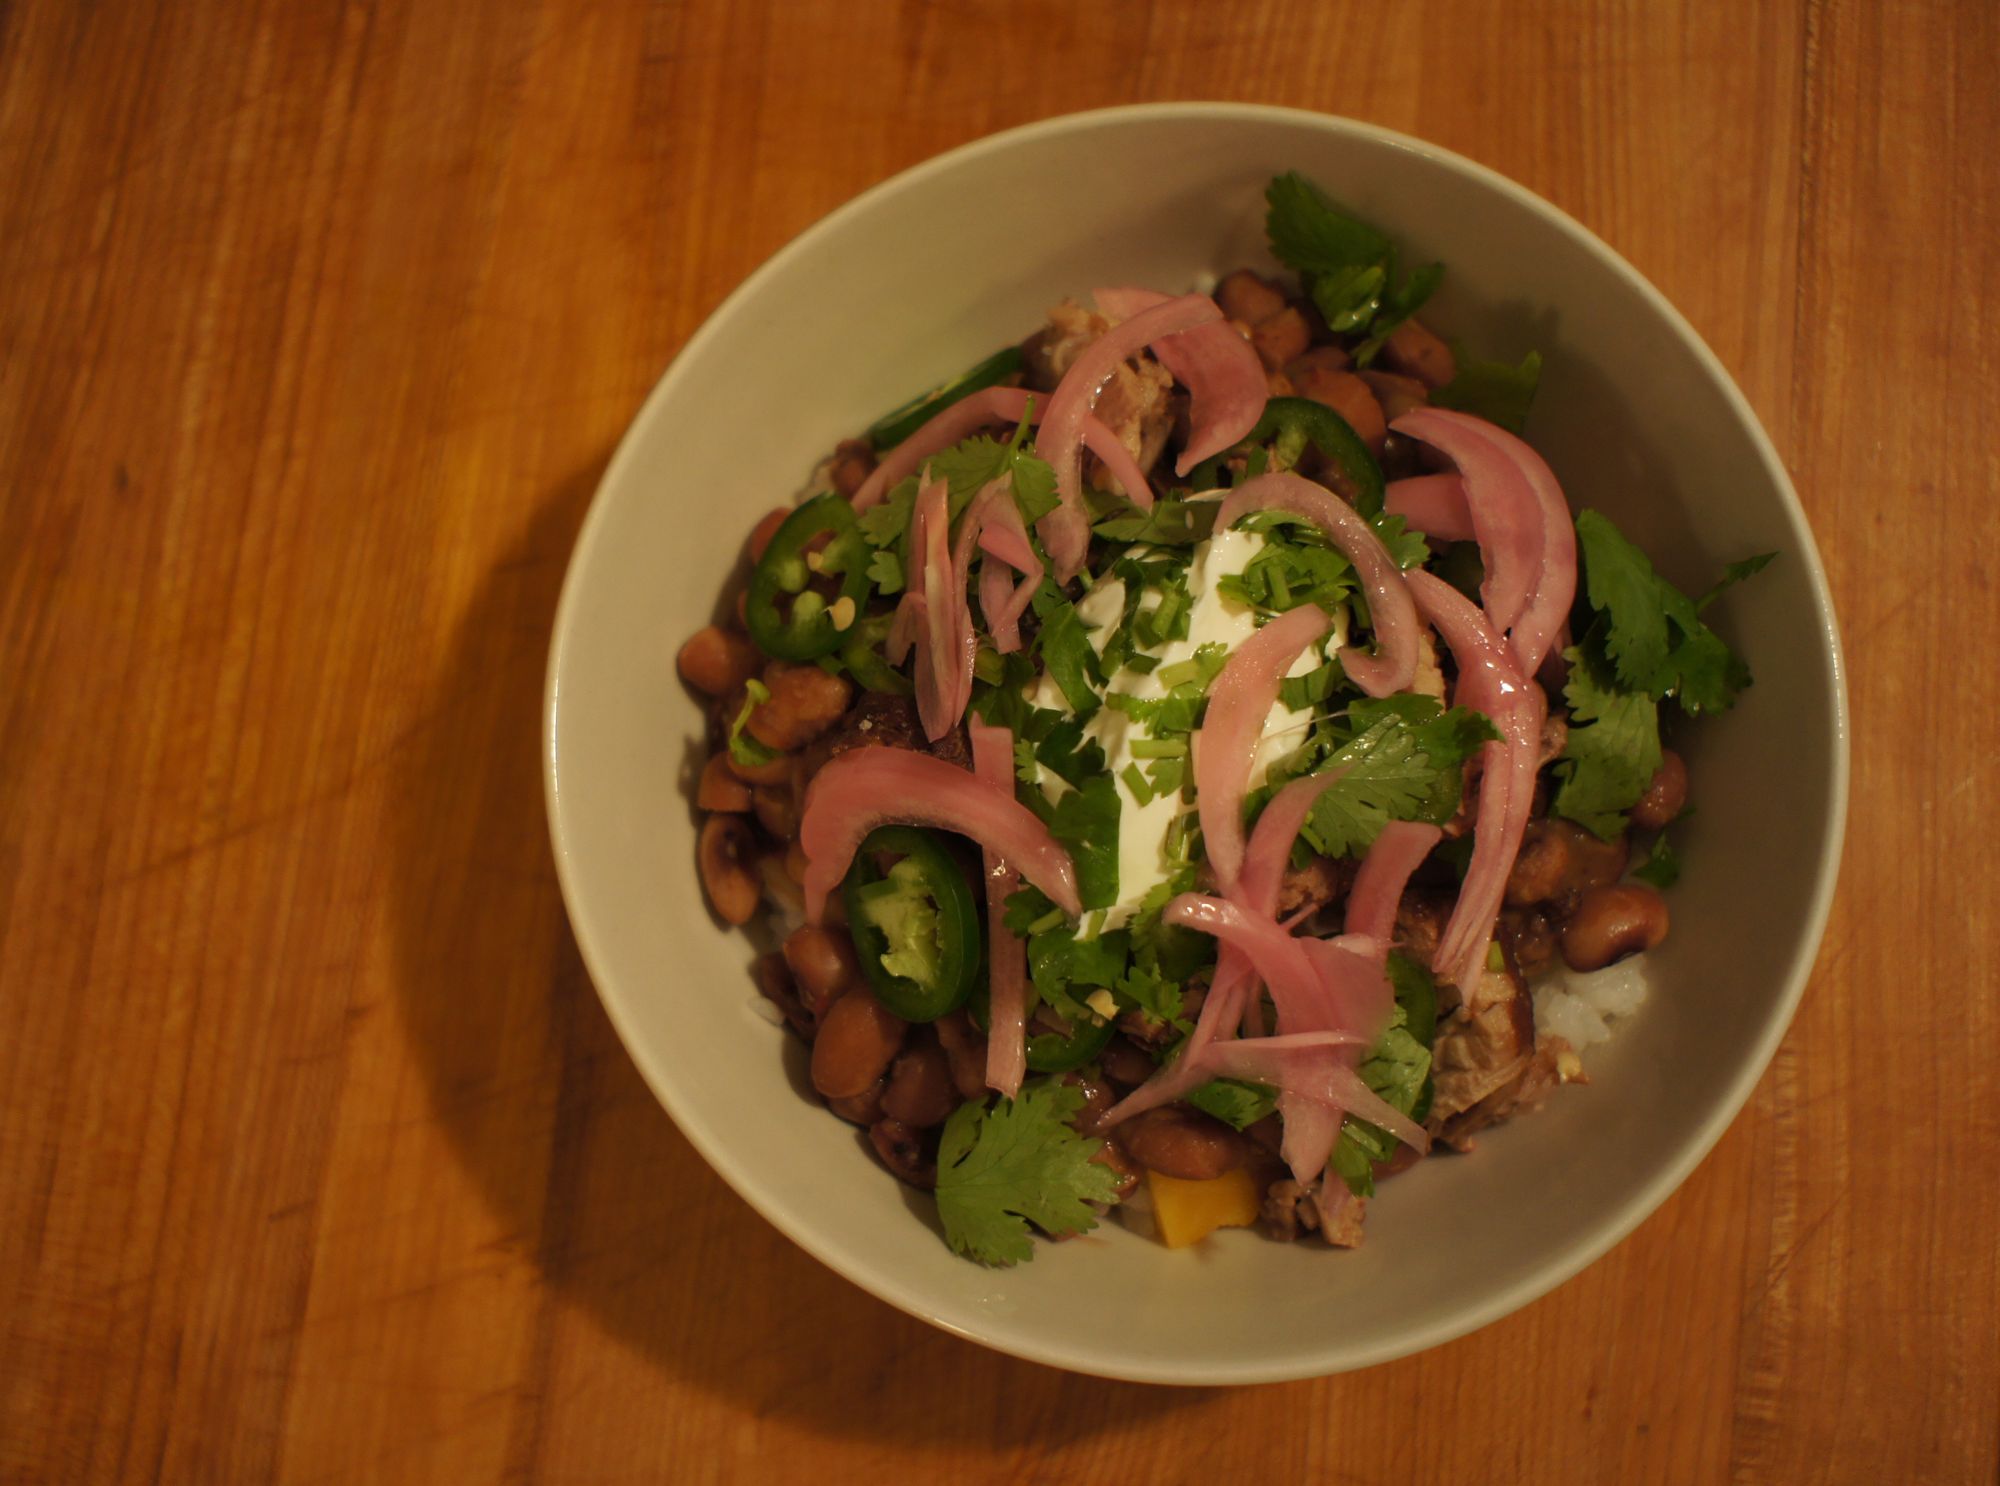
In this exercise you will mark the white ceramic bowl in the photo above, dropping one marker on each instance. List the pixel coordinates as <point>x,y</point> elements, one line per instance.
<point>919,277</point>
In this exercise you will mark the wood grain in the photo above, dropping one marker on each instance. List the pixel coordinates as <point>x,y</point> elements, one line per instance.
<point>318,1160</point>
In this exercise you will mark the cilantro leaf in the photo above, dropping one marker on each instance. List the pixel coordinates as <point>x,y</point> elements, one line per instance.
<point>1348,267</point>
<point>1034,486</point>
<point>1310,235</point>
<point>973,463</point>
<point>1066,650</point>
<point>1733,574</point>
<point>743,745</point>
<point>885,571</point>
<point>1171,523</point>
<point>886,524</point>
<point>1653,633</point>
<point>1404,761</point>
<point>1660,866</point>
<point>1233,1101</point>
<point>1407,547</point>
<point>1398,1068</point>
<point>1085,820</point>
<point>1151,992</point>
<point>1492,390</point>
<point>1013,1164</point>
<point>1613,750</point>
<point>1623,587</point>
<point>1397,306</point>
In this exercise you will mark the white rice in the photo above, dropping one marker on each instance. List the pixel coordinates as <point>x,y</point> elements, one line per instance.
<point>1584,1009</point>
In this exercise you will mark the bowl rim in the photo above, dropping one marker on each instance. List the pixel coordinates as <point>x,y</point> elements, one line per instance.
<point>1594,1242</point>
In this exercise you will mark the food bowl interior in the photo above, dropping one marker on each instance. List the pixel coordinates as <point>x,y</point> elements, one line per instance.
<point>916,280</point>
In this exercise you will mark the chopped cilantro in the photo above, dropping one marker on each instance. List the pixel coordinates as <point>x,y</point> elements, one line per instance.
<point>1013,1164</point>
<point>1151,992</point>
<point>1309,690</point>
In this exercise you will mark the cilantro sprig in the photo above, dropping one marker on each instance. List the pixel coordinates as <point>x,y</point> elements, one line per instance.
<point>1646,644</point>
<point>1015,1163</point>
<point>1402,758</point>
<point>1347,266</point>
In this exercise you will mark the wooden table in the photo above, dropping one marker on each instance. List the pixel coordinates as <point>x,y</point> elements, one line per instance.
<point>318,321</point>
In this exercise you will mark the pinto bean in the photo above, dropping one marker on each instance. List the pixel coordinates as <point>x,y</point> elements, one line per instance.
<point>1611,923</point>
<point>1529,935</point>
<point>1397,393</point>
<point>862,1109</point>
<point>1665,797</point>
<point>920,1091</point>
<point>1593,862</point>
<point>1417,352</point>
<point>965,1050</point>
<point>805,702</point>
<point>766,528</point>
<point>726,856</point>
<point>822,962</point>
<point>853,462</point>
<point>1249,297</point>
<point>1127,1170</point>
<point>1124,1064</point>
<point>719,789</point>
<point>1320,361</point>
<point>857,1040</point>
<point>1177,1141</point>
<point>715,661</point>
<point>1282,338</point>
<point>777,809</point>
<point>775,982</point>
<point>1542,867</point>
<point>1348,396</point>
<point>902,1151</point>
<point>1098,1097</point>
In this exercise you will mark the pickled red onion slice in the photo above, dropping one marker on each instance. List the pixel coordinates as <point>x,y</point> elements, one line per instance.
<point>1239,701</point>
<point>1227,388</point>
<point>1394,665</point>
<point>1006,954</point>
<point>857,791</point>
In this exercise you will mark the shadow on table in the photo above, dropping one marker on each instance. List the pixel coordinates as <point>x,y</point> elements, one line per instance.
<point>580,1164</point>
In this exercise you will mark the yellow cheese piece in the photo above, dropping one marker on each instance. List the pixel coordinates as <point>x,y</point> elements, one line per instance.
<point>1189,1211</point>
